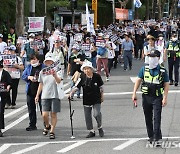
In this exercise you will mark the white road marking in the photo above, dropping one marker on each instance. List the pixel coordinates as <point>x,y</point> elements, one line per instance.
<point>133,79</point>
<point>126,144</point>
<point>30,148</point>
<point>15,122</point>
<point>67,84</point>
<point>4,147</point>
<point>15,111</point>
<point>72,146</point>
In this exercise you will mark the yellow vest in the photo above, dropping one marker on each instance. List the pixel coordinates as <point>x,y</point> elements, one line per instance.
<point>173,50</point>
<point>13,37</point>
<point>150,82</point>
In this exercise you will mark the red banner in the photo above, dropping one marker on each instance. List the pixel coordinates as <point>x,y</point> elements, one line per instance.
<point>121,14</point>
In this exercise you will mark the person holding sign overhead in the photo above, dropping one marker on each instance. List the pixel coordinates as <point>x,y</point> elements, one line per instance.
<point>5,85</point>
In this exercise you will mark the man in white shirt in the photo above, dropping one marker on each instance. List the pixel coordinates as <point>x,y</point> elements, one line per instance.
<point>3,44</point>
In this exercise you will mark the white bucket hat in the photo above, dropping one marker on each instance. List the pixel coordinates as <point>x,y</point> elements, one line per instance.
<point>49,56</point>
<point>86,63</point>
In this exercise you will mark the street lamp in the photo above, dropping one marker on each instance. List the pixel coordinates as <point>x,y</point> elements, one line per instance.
<point>113,9</point>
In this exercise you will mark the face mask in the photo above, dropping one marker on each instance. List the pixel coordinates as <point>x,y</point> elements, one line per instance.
<point>35,65</point>
<point>153,62</point>
<point>174,39</point>
<point>31,39</point>
<point>161,38</point>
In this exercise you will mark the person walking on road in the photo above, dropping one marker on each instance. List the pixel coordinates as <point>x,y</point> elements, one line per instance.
<point>173,53</point>
<point>49,98</point>
<point>155,86</point>
<point>127,50</point>
<point>92,85</point>
<point>5,84</point>
<point>30,76</point>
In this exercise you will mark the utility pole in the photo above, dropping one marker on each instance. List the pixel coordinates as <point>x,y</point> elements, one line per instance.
<point>113,9</point>
<point>32,8</point>
<point>72,10</point>
<point>45,12</point>
<point>94,8</point>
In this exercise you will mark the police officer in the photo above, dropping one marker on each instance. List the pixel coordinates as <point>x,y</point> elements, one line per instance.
<point>12,35</point>
<point>173,53</point>
<point>155,85</point>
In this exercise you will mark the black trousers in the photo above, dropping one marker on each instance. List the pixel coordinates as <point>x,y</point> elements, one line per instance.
<point>116,59</point>
<point>14,87</point>
<point>110,64</point>
<point>138,48</point>
<point>32,110</point>
<point>173,65</point>
<point>2,105</point>
<point>152,106</point>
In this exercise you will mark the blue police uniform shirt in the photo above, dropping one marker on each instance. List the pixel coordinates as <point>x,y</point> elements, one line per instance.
<point>154,72</point>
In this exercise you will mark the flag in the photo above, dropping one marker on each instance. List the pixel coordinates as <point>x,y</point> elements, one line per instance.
<point>179,3</point>
<point>137,3</point>
<point>90,26</point>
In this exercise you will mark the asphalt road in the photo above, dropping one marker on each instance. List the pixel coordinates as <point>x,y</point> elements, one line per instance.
<point>125,131</point>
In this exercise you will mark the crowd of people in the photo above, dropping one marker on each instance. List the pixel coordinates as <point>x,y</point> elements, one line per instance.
<point>77,52</point>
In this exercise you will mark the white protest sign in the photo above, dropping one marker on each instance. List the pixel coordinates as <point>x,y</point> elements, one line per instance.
<point>36,24</point>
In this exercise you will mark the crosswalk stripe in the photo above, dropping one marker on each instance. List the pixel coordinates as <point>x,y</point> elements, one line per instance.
<point>72,146</point>
<point>126,144</point>
<point>4,147</point>
<point>30,148</point>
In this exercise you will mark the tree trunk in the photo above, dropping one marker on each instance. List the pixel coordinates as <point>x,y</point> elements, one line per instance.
<point>147,9</point>
<point>19,17</point>
<point>173,8</point>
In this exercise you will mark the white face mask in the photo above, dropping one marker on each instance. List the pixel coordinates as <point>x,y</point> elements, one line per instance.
<point>174,39</point>
<point>161,38</point>
<point>35,65</point>
<point>153,62</point>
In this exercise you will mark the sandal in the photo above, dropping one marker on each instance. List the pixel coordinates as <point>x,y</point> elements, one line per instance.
<point>46,130</point>
<point>51,135</point>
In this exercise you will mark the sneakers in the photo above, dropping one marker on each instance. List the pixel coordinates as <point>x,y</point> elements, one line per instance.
<point>91,134</point>
<point>101,132</point>
<point>7,106</point>
<point>107,79</point>
<point>171,83</point>
<point>30,128</point>
<point>176,84</point>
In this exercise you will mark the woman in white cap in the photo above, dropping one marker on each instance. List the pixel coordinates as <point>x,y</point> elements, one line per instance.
<point>50,101</point>
<point>92,85</point>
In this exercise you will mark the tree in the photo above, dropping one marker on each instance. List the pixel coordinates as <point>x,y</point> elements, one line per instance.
<point>19,17</point>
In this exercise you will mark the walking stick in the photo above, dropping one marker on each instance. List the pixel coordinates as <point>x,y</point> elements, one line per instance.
<point>71,115</point>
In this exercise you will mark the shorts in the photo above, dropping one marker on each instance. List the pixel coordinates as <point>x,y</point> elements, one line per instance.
<point>53,105</point>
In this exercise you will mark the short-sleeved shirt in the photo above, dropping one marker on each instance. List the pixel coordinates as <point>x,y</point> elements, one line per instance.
<point>91,88</point>
<point>154,72</point>
<point>49,90</point>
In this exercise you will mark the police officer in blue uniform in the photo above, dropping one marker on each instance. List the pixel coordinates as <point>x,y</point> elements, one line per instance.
<point>173,53</point>
<point>155,86</point>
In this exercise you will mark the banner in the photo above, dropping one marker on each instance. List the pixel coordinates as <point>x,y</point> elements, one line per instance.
<point>137,3</point>
<point>121,14</point>
<point>36,24</point>
<point>55,67</point>
<point>90,26</point>
<point>100,43</point>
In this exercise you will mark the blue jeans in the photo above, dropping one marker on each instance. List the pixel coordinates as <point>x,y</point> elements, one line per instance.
<point>127,59</point>
<point>93,61</point>
<point>78,92</point>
